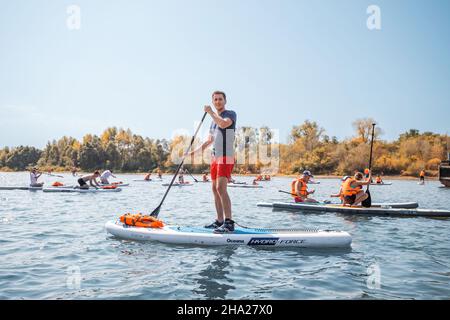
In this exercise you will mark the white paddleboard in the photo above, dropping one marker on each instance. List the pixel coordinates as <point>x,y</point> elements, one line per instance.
<point>241,236</point>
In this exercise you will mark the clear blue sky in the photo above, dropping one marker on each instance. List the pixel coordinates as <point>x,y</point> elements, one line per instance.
<point>151,65</point>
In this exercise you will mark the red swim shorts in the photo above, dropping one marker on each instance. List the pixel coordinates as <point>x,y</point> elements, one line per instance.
<point>298,199</point>
<point>222,167</point>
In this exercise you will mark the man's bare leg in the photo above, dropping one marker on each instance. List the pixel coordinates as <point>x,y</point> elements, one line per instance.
<point>217,201</point>
<point>222,183</point>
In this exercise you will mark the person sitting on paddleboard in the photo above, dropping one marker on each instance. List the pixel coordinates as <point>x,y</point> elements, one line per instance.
<point>148,177</point>
<point>353,191</point>
<point>92,178</point>
<point>299,188</point>
<point>422,176</point>
<point>205,177</point>
<point>105,176</point>
<point>221,136</point>
<point>34,176</point>
<point>341,194</point>
<point>378,180</point>
<point>74,172</point>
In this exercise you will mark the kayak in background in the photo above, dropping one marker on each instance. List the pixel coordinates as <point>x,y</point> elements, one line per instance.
<point>78,190</point>
<point>241,236</point>
<point>383,210</point>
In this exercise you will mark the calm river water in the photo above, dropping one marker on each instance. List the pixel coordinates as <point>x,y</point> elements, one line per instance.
<point>54,246</point>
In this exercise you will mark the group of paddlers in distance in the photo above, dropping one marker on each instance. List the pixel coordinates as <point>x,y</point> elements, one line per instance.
<point>351,191</point>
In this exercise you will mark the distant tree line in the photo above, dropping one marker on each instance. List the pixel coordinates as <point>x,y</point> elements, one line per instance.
<point>309,147</point>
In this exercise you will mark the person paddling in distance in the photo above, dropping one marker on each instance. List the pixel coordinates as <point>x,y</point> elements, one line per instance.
<point>34,176</point>
<point>221,137</point>
<point>422,176</point>
<point>106,175</point>
<point>91,178</point>
<point>148,177</point>
<point>299,188</point>
<point>159,174</point>
<point>378,180</point>
<point>205,177</point>
<point>74,172</point>
<point>181,176</point>
<point>352,189</point>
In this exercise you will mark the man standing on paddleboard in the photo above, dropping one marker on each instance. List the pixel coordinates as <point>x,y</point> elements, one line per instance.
<point>221,137</point>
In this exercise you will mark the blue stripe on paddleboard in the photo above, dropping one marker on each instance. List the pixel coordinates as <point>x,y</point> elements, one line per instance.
<point>237,230</point>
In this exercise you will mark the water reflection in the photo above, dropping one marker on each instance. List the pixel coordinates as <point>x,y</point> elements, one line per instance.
<point>213,281</point>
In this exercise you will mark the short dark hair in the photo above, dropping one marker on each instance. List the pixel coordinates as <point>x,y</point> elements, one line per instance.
<point>220,92</point>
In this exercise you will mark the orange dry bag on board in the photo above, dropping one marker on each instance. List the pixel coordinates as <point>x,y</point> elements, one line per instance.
<point>109,187</point>
<point>138,220</point>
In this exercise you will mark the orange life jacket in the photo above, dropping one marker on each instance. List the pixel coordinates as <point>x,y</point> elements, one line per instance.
<point>379,180</point>
<point>57,184</point>
<point>422,173</point>
<point>348,190</point>
<point>138,220</point>
<point>303,188</point>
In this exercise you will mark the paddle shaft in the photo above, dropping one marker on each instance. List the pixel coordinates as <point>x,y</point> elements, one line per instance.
<point>155,212</point>
<point>292,194</point>
<point>371,150</point>
<point>191,175</point>
<point>367,203</point>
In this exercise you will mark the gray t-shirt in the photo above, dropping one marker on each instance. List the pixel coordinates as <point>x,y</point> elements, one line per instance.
<point>224,138</point>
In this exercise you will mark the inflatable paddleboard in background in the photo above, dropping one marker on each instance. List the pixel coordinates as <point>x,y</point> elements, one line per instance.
<point>383,210</point>
<point>20,188</point>
<point>233,185</point>
<point>73,190</point>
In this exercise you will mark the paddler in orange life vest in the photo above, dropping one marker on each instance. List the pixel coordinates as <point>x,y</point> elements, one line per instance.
<point>341,194</point>
<point>366,174</point>
<point>352,189</point>
<point>422,176</point>
<point>379,180</point>
<point>299,188</point>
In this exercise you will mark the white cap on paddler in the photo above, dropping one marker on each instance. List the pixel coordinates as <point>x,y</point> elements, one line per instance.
<point>308,173</point>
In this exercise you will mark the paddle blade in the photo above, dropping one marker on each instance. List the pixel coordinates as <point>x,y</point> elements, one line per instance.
<point>155,212</point>
<point>368,202</point>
